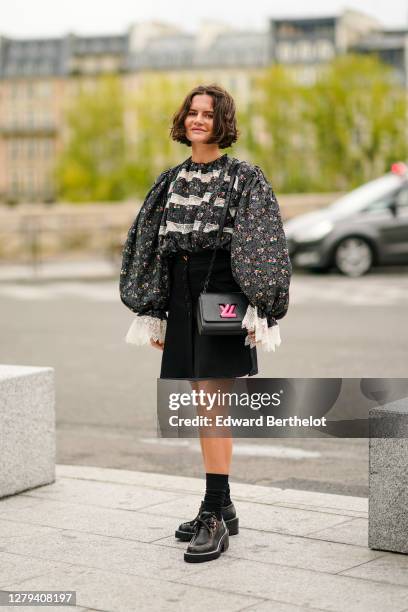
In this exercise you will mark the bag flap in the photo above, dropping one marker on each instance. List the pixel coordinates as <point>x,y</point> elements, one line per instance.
<point>213,305</point>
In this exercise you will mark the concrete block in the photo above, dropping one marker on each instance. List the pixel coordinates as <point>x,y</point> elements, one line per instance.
<point>388,477</point>
<point>27,428</point>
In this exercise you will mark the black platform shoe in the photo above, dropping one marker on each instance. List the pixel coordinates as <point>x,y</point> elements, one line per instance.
<point>210,539</point>
<point>185,531</point>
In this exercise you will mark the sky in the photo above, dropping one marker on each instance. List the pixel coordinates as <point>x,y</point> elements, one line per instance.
<point>38,18</point>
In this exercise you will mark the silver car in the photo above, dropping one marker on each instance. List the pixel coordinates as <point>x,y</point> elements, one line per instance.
<point>364,228</point>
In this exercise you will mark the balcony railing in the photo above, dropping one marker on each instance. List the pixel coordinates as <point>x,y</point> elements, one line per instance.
<point>24,128</point>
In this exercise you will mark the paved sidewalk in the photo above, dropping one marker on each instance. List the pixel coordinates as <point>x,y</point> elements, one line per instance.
<point>108,535</point>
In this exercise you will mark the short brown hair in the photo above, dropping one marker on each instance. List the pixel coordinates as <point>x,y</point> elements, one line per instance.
<point>225,130</point>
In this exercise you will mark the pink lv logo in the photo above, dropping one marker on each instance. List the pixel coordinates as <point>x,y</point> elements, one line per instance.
<point>228,311</point>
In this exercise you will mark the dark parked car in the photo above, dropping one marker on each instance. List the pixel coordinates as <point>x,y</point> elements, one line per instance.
<point>364,228</point>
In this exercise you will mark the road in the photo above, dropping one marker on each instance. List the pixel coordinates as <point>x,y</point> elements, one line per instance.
<point>106,389</point>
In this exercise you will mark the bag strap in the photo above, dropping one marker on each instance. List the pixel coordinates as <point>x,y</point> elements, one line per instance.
<point>233,172</point>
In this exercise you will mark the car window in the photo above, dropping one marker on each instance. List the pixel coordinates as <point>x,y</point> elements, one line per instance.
<point>382,204</point>
<point>403,198</point>
<point>371,192</point>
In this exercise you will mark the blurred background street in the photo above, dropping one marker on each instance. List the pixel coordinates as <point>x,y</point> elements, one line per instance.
<point>106,402</point>
<point>86,103</point>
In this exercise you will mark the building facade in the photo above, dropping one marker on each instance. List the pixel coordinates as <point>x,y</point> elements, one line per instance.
<point>38,77</point>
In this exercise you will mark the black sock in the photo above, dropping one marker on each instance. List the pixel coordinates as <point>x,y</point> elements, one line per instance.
<point>215,493</point>
<point>227,498</point>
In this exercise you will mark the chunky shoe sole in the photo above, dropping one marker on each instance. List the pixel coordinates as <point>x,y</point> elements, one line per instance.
<point>209,556</point>
<point>232,526</point>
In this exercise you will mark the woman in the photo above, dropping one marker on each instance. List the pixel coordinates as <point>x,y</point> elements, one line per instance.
<point>165,263</point>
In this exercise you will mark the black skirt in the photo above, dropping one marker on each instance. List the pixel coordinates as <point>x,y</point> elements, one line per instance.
<point>186,353</point>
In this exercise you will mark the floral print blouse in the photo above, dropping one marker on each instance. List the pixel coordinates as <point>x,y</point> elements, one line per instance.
<point>182,212</point>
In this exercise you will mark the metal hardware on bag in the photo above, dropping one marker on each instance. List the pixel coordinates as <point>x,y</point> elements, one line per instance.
<point>209,321</point>
<point>227,311</point>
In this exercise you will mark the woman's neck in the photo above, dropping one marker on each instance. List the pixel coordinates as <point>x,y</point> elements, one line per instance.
<point>203,153</point>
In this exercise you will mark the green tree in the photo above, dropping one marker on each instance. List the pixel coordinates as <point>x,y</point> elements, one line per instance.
<point>151,112</point>
<point>276,131</point>
<point>92,165</point>
<point>359,115</point>
<point>341,131</point>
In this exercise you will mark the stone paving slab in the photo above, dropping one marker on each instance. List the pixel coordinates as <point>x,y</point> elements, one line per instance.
<point>293,551</point>
<point>105,495</point>
<point>312,499</point>
<point>280,607</point>
<point>163,482</point>
<point>15,502</point>
<point>105,553</point>
<point>350,531</point>
<point>11,531</point>
<point>260,516</point>
<point>106,590</point>
<point>341,504</point>
<point>15,567</point>
<point>388,568</point>
<point>91,519</point>
<point>109,535</point>
<point>326,509</point>
<point>303,587</point>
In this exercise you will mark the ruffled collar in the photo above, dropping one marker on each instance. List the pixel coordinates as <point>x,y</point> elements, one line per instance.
<point>206,166</point>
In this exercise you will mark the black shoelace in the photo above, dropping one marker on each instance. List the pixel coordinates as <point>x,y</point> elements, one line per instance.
<point>211,518</point>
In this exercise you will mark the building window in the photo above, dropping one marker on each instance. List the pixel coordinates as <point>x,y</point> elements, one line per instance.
<point>284,52</point>
<point>324,49</point>
<point>14,183</point>
<point>44,89</point>
<point>31,148</point>
<point>48,148</point>
<point>304,50</point>
<point>13,149</point>
<point>30,120</point>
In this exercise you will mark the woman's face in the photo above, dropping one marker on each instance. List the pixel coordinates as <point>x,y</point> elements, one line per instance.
<point>200,118</point>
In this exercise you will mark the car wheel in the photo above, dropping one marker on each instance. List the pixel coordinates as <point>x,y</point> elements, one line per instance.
<point>353,256</point>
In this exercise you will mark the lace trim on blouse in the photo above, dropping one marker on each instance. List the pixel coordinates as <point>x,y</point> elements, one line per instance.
<point>254,234</point>
<point>144,328</point>
<point>269,337</point>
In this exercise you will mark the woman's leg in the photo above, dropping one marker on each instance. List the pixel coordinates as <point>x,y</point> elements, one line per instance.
<point>216,449</point>
<point>214,523</point>
<point>216,445</point>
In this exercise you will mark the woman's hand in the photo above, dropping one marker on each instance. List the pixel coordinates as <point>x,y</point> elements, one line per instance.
<point>251,335</point>
<point>157,344</point>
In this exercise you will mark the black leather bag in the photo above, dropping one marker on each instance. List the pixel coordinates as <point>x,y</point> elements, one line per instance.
<point>221,313</point>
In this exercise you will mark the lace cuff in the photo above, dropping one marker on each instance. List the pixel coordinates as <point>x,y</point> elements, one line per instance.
<point>269,337</point>
<point>144,328</point>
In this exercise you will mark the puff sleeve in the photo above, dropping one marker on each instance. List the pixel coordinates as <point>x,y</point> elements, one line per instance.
<point>260,260</point>
<point>144,282</point>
